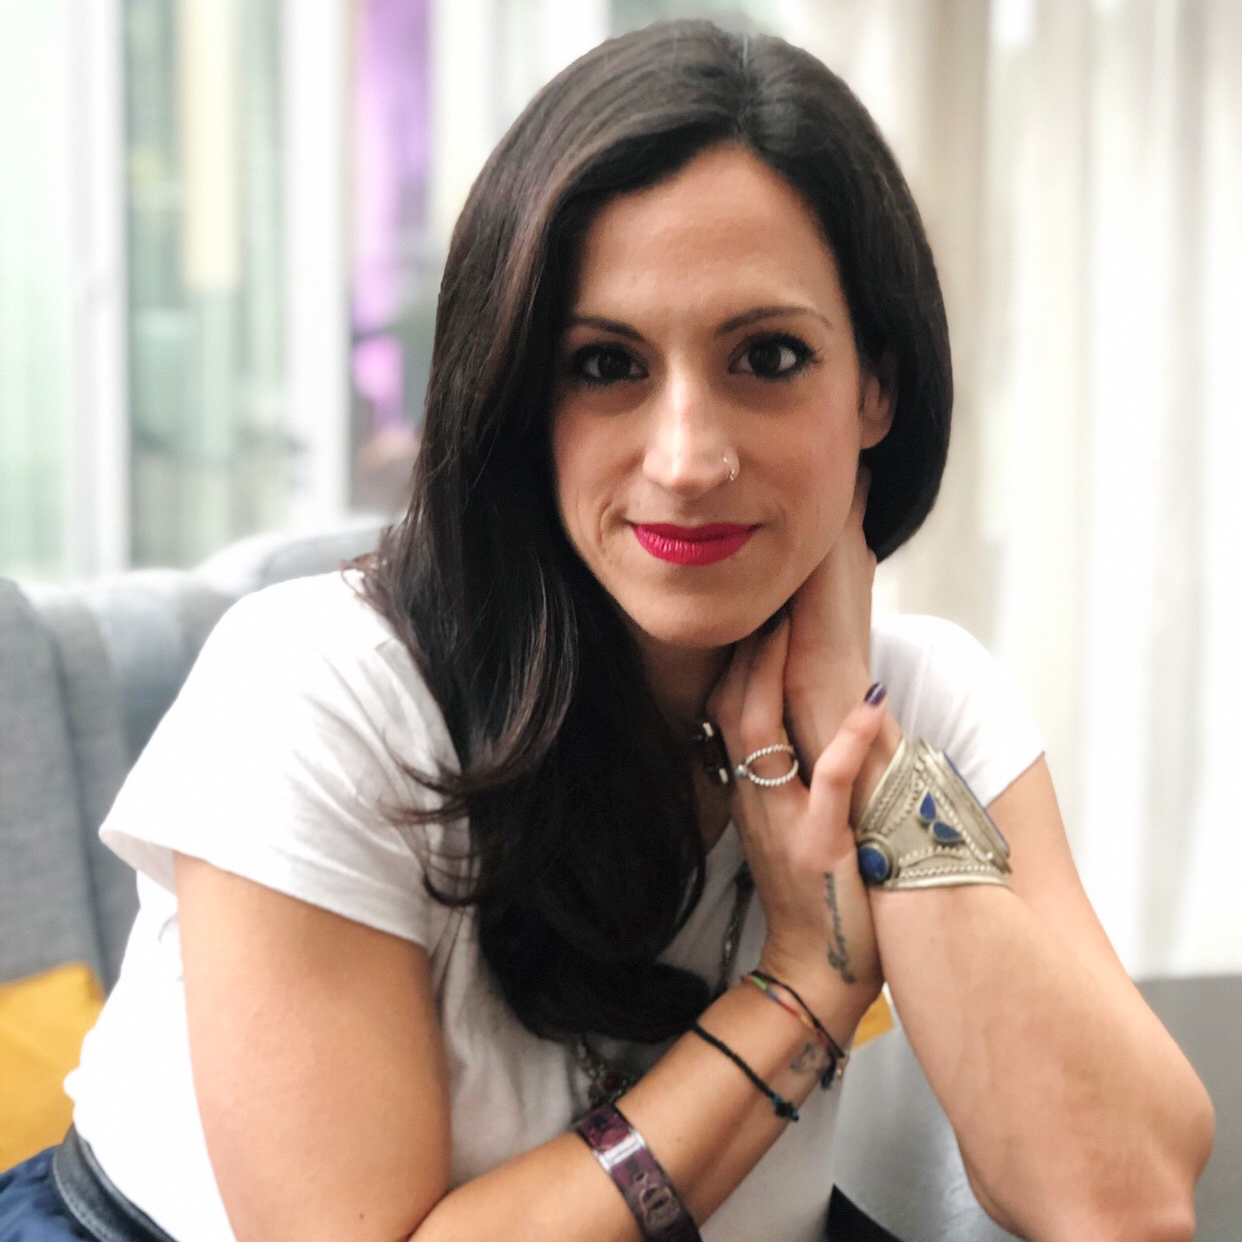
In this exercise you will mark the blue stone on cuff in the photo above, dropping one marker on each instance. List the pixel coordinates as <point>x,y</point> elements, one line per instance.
<point>874,864</point>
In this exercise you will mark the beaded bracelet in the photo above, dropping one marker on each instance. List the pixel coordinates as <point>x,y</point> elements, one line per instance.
<point>781,1106</point>
<point>638,1175</point>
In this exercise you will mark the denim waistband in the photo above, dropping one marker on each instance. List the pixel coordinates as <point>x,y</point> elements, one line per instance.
<point>93,1201</point>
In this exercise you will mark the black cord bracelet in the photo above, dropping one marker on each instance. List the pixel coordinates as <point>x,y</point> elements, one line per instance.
<point>837,1051</point>
<point>781,1106</point>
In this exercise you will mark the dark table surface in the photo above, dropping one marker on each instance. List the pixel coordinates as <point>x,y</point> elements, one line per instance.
<point>908,1176</point>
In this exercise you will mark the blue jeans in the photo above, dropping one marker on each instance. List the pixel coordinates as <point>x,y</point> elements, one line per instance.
<point>62,1195</point>
<point>32,1208</point>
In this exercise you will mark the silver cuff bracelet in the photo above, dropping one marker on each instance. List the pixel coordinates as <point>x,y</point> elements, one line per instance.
<point>923,827</point>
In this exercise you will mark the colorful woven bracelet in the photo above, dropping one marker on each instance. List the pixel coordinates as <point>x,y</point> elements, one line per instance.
<point>766,988</point>
<point>840,1057</point>
<point>638,1175</point>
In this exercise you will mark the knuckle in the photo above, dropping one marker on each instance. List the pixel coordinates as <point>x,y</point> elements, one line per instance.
<point>834,770</point>
<point>756,728</point>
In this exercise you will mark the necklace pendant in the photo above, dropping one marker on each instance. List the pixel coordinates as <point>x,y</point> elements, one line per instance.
<point>607,1083</point>
<point>608,1088</point>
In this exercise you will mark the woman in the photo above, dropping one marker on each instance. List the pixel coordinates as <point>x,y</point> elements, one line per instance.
<point>439,858</point>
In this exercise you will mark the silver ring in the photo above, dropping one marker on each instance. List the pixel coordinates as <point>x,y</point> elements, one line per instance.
<point>732,467</point>
<point>744,769</point>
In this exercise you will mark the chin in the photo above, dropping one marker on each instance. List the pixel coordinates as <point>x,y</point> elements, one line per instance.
<point>699,629</point>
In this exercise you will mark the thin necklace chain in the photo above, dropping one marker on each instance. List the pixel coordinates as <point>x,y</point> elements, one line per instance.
<point>608,1082</point>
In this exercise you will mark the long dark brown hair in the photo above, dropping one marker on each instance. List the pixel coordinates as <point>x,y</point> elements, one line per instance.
<point>586,853</point>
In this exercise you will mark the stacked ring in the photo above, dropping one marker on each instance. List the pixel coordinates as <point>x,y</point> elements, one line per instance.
<point>745,769</point>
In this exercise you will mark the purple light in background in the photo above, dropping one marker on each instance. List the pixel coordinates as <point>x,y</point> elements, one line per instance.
<point>391,155</point>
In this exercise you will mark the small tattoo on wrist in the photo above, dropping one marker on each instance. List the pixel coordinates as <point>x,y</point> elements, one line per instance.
<point>810,1060</point>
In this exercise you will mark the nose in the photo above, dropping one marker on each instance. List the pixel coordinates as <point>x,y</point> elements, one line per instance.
<point>688,450</point>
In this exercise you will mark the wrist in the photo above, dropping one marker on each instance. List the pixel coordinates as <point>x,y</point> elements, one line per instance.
<point>923,827</point>
<point>839,1006</point>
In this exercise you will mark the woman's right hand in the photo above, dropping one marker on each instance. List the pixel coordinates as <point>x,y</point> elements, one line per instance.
<point>798,840</point>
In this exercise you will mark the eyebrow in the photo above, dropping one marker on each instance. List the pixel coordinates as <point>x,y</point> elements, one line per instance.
<point>754,315</point>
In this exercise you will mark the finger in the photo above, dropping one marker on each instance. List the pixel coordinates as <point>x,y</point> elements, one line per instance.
<point>762,725</point>
<point>836,770</point>
<point>763,705</point>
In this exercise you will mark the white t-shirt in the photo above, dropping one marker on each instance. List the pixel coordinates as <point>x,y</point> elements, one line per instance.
<point>272,764</point>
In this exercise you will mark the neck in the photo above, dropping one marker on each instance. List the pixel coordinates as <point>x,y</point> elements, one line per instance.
<point>681,679</point>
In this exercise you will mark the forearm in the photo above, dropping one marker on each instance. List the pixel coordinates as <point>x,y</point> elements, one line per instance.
<point>703,1120</point>
<point>1077,1114</point>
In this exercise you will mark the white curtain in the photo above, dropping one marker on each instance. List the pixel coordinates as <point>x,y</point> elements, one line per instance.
<point>1079,166</point>
<point>63,446</point>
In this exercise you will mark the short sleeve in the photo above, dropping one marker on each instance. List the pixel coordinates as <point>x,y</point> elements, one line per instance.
<point>948,690</point>
<point>282,755</point>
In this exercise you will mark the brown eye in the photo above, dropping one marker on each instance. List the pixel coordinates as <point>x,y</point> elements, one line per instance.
<point>775,357</point>
<point>599,364</point>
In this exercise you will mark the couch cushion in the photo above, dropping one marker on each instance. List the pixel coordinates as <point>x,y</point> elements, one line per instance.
<point>43,1021</point>
<point>92,703</point>
<point>153,623</point>
<point>260,560</point>
<point>46,900</point>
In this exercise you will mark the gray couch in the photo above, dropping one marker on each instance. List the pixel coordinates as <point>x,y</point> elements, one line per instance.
<point>86,673</point>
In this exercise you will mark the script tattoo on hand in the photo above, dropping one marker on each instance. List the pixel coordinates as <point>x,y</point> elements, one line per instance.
<point>838,955</point>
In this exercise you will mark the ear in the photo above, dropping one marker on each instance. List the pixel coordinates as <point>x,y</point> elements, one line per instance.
<point>877,401</point>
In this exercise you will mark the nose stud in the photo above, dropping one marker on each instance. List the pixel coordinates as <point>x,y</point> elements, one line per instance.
<point>732,467</point>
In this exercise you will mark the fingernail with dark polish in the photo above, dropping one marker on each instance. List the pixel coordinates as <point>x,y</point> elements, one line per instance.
<point>876,694</point>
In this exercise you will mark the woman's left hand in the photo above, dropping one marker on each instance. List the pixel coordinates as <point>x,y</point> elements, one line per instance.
<point>797,836</point>
<point>829,661</point>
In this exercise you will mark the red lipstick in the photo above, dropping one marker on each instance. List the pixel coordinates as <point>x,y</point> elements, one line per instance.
<point>693,545</point>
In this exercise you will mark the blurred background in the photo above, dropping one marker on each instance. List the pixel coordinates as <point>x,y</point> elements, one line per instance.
<point>221,230</point>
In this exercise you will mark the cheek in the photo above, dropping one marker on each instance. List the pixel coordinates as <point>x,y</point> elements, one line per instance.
<point>577,463</point>
<point>819,493</point>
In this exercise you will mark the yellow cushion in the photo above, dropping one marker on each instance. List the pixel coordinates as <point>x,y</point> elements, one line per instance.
<point>42,1022</point>
<point>877,1020</point>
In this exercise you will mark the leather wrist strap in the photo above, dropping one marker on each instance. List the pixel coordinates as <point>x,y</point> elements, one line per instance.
<point>638,1175</point>
<point>923,827</point>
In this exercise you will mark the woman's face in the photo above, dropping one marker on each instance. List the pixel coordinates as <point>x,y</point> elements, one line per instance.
<point>708,335</point>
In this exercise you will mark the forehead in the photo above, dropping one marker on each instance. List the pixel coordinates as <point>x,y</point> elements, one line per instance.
<point>725,227</point>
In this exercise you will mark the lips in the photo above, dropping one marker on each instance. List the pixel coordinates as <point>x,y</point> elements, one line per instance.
<point>693,545</point>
